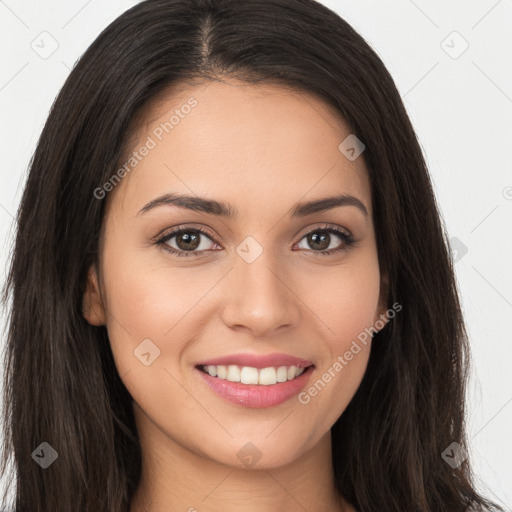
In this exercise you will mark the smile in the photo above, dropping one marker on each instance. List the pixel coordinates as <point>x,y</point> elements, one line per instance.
<point>250,375</point>
<point>254,387</point>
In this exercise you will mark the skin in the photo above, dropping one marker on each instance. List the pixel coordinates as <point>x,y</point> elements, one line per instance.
<point>261,148</point>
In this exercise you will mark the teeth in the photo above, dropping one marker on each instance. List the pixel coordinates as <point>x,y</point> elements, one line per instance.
<point>282,374</point>
<point>292,372</point>
<point>249,375</point>
<point>233,374</point>
<point>268,376</point>
<point>221,372</point>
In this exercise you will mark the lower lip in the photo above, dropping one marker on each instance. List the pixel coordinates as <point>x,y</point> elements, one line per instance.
<point>256,396</point>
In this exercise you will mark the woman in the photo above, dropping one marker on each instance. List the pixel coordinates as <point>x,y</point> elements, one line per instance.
<point>231,287</point>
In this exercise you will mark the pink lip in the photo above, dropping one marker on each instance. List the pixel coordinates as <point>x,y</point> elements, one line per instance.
<point>256,396</point>
<point>258,361</point>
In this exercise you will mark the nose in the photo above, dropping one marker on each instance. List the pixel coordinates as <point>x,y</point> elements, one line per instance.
<point>259,298</point>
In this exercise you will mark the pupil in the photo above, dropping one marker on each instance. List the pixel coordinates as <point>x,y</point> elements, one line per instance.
<point>190,241</point>
<point>314,241</point>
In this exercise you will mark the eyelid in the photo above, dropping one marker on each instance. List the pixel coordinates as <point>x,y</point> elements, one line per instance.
<point>208,232</point>
<point>170,232</point>
<point>167,234</point>
<point>321,227</point>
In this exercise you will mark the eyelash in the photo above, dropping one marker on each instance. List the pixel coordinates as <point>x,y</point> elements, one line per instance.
<point>348,240</point>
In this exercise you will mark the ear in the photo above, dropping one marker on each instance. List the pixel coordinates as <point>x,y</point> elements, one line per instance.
<point>383,299</point>
<point>93,308</point>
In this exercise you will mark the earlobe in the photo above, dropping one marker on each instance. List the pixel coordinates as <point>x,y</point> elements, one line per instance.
<point>93,309</point>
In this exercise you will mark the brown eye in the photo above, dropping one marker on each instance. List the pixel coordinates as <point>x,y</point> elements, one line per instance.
<point>186,242</point>
<point>321,239</point>
<point>320,242</point>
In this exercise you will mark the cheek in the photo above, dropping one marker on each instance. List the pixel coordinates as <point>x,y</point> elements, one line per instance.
<point>143,302</point>
<point>148,299</point>
<point>345,300</point>
<point>347,306</point>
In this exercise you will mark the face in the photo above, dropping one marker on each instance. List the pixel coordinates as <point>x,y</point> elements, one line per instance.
<point>271,278</point>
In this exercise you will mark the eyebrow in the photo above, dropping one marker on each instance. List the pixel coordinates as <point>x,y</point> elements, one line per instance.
<point>213,207</point>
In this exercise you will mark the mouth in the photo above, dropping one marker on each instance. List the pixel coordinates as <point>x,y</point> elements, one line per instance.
<point>254,387</point>
<point>253,376</point>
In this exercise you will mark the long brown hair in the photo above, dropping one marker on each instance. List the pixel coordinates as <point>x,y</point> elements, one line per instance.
<point>61,386</point>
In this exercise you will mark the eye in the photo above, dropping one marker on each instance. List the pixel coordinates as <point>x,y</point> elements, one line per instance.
<point>188,241</point>
<point>321,239</point>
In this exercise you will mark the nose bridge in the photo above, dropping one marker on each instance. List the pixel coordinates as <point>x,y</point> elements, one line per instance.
<point>258,297</point>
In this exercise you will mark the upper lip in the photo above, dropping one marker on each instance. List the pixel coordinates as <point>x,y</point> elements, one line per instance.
<point>258,361</point>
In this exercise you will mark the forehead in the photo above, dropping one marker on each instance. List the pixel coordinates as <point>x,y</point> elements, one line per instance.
<point>250,145</point>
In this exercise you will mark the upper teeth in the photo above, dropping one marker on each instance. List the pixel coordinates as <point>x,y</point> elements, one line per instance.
<point>250,375</point>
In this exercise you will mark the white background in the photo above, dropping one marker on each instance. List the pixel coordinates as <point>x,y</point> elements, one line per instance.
<point>460,105</point>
